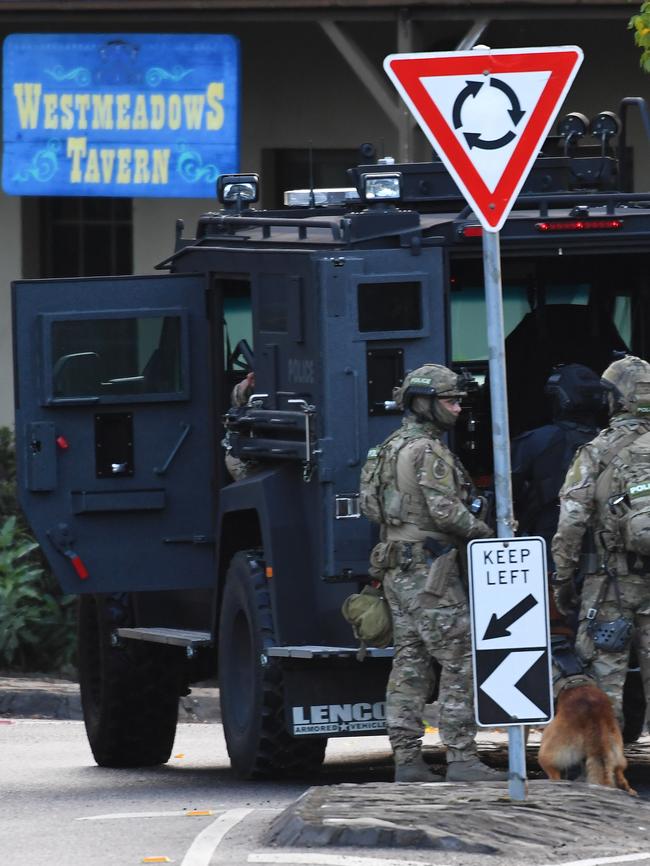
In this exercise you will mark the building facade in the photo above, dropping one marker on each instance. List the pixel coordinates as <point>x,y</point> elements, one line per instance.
<point>311,91</point>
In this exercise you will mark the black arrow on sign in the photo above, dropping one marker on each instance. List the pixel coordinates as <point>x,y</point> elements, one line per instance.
<point>474,139</point>
<point>499,625</point>
<point>471,89</point>
<point>515,112</point>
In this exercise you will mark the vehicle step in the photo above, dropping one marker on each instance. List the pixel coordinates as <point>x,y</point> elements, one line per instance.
<point>173,636</point>
<point>312,652</point>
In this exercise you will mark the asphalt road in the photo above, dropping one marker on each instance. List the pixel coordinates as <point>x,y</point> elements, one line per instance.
<point>57,807</point>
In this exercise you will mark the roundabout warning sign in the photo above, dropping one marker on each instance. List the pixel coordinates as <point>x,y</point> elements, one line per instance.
<point>486,113</point>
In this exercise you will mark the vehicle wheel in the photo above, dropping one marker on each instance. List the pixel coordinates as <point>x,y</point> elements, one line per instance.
<point>634,707</point>
<point>250,683</point>
<point>129,693</point>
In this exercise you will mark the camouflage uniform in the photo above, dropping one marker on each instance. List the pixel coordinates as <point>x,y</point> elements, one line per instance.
<point>582,505</point>
<point>434,490</point>
<point>424,626</point>
<point>239,396</point>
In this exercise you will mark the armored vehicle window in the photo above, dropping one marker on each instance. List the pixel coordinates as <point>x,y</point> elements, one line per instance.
<point>237,314</point>
<point>116,358</point>
<point>389,306</point>
<point>576,295</point>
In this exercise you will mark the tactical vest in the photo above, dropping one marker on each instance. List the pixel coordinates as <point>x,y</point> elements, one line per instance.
<point>379,498</point>
<point>623,496</point>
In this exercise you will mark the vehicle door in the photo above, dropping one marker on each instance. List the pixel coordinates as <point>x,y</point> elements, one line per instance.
<point>115,448</point>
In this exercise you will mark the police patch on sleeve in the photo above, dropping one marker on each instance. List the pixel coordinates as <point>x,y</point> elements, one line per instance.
<point>440,468</point>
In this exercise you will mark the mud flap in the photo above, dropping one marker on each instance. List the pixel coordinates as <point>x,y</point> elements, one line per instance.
<point>341,699</point>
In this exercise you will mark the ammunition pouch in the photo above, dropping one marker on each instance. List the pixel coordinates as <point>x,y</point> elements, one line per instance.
<point>444,569</point>
<point>443,585</point>
<point>589,563</point>
<point>382,557</point>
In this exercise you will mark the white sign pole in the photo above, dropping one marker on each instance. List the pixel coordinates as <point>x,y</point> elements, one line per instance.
<point>501,456</point>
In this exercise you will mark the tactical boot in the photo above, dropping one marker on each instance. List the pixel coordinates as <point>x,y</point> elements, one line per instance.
<point>414,771</point>
<point>473,771</point>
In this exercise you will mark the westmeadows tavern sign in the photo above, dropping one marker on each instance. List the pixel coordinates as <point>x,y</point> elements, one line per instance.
<point>119,115</point>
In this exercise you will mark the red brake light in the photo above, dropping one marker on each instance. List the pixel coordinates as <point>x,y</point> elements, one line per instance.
<point>472,232</point>
<point>578,225</point>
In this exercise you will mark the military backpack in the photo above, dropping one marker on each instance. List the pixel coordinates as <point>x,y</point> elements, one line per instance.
<point>624,486</point>
<point>379,498</point>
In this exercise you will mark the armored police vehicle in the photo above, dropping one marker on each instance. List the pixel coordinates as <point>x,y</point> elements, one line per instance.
<point>123,387</point>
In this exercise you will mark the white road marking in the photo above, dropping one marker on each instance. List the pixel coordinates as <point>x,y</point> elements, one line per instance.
<point>603,861</point>
<point>333,860</point>
<point>352,860</point>
<point>203,847</point>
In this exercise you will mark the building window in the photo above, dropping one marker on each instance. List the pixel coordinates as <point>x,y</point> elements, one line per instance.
<point>84,237</point>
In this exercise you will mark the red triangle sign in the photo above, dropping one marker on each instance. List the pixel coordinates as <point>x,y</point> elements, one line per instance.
<point>486,113</point>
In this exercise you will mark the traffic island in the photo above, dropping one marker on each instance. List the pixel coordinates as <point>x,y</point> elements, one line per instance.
<point>558,819</point>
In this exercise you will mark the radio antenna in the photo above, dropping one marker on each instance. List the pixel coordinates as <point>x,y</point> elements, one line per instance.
<point>312,197</point>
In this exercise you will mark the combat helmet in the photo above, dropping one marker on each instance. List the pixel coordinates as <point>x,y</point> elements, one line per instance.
<point>430,380</point>
<point>420,390</point>
<point>627,382</point>
<point>575,390</point>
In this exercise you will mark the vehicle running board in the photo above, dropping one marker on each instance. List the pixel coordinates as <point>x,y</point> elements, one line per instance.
<point>172,636</point>
<point>313,652</point>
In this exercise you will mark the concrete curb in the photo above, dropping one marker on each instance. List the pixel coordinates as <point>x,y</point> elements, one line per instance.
<point>50,698</point>
<point>557,821</point>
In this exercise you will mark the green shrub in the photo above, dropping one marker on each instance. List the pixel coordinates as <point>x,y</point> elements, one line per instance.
<point>8,498</point>
<point>640,23</point>
<point>37,623</point>
<point>37,629</point>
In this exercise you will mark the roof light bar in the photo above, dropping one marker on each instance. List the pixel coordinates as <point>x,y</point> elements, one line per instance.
<point>320,197</point>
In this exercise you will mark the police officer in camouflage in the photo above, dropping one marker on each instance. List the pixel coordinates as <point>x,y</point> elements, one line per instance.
<point>586,502</point>
<point>239,397</point>
<point>427,494</point>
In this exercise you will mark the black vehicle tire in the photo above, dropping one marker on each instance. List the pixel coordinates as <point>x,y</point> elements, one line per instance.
<point>634,707</point>
<point>129,692</point>
<point>251,687</point>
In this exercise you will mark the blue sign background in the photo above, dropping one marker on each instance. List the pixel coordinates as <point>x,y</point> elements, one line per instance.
<point>119,114</point>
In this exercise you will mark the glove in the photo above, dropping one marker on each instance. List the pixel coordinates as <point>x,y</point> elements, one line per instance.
<point>480,530</point>
<point>566,597</point>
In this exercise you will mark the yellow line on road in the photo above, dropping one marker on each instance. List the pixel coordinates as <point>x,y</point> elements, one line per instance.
<point>115,815</point>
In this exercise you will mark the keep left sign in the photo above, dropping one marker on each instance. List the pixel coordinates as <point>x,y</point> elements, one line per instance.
<point>510,631</point>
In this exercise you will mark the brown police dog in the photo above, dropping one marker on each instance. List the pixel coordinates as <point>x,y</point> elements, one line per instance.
<point>585,730</point>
